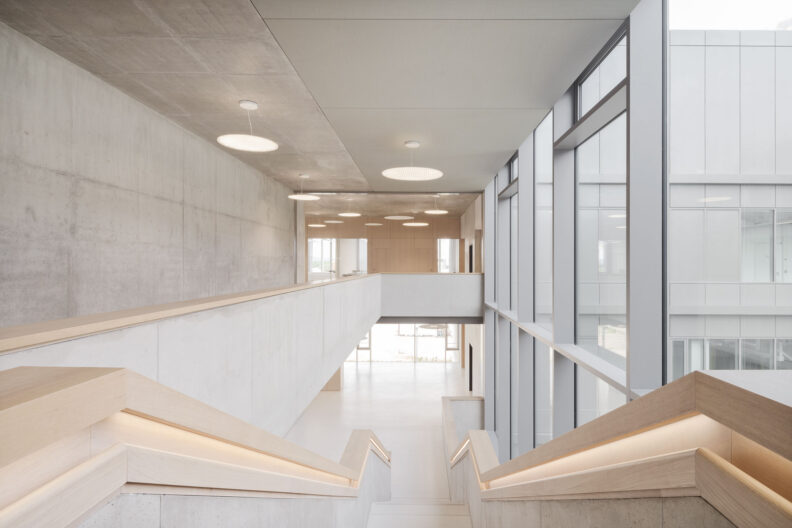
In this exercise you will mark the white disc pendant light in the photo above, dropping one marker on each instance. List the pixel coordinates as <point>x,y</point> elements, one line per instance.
<point>247,142</point>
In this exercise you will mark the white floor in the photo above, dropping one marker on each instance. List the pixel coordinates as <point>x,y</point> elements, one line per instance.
<point>401,403</point>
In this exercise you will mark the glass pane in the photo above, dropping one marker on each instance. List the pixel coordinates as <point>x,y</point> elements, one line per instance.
<point>604,78</point>
<point>601,258</point>
<point>365,342</point>
<point>543,223</point>
<point>430,342</point>
<point>452,341</point>
<point>757,245</point>
<point>363,255</point>
<point>543,393</point>
<point>447,255</point>
<point>722,354</point>
<point>514,171</point>
<point>321,258</point>
<point>695,355</point>
<point>514,252</point>
<point>677,359</point>
<point>783,359</point>
<point>783,252</point>
<point>594,397</point>
<point>392,342</point>
<point>757,354</point>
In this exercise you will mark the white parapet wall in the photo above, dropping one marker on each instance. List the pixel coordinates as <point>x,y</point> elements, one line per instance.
<point>432,295</point>
<point>262,360</point>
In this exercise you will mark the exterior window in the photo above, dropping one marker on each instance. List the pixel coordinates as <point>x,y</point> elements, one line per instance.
<point>783,357</point>
<point>514,169</point>
<point>321,259</point>
<point>601,258</point>
<point>757,245</point>
<point>603,78</point>
<point>594,397</point>
<point>783,245</point>
<point>543,223</point>
<point>757,354</point>
<point>677,359</point>
<point>722,354</point>
<point>543,393</point>
<point>447,255</point>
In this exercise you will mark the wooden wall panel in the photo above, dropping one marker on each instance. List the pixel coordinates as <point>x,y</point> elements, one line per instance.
<point>393,247</point>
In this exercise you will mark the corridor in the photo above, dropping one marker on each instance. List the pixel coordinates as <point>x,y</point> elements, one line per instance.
<point>401,403</point>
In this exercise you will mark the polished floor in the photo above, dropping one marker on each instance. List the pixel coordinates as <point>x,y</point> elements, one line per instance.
<point>401,404</point>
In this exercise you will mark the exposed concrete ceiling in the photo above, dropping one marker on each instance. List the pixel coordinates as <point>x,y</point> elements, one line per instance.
<point>383,204</point>
<point>341,84</point>
<point>193,60</point>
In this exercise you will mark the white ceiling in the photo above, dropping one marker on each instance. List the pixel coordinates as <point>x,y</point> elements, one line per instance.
<point>469,79</point>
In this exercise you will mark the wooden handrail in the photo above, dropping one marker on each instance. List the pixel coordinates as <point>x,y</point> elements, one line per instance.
<point>724,436</point>
<point>35,334</point>
<point>117,427</point>
<point>24,336</point>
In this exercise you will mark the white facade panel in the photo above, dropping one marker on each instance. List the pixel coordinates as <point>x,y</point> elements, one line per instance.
<point>721,246</point>
<point>757,326</point>
<point>722,325</point>
<point>686,195</point>
<point>783,110</point>
<point>723,294</point>
<point>757,110</point>
<point>722,110</point>
<point>757,196</point>
<point>686,106</point>
<point>686,245</point>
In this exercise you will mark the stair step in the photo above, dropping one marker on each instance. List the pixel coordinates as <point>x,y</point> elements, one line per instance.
<point>418,515</point>
<point>414,508</point>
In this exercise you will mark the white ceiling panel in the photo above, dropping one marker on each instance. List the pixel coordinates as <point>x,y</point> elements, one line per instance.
<point>470,90</point>
<point>445,9</point>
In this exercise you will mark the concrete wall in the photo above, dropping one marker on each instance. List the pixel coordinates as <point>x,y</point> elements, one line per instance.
<point>105,204</point>
<point>174,511</point>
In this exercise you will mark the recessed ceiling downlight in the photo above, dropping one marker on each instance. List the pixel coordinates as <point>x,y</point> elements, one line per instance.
<point>316,225</point>
<point>415,224</point>
<point>349,215</point>
<point>399,217</point>
<point>247,142</point>
<point>412,173</point>
<point>436,212</point>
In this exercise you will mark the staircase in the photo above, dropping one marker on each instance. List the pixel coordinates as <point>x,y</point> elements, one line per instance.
<point>396,514</point>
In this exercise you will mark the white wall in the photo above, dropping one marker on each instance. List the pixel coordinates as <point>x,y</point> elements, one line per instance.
<point>432,295</point>
<point>106,204</point>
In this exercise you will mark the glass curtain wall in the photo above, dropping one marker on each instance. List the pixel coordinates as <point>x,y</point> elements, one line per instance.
<point>729,114</point>
<point>409,343</point>
<point>601,259</point>
<point>586,185</point>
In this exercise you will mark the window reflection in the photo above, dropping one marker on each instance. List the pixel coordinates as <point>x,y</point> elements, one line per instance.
<point>601,257</point>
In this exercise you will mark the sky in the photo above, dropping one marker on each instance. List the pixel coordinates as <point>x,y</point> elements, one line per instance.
<point>730,14</point>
